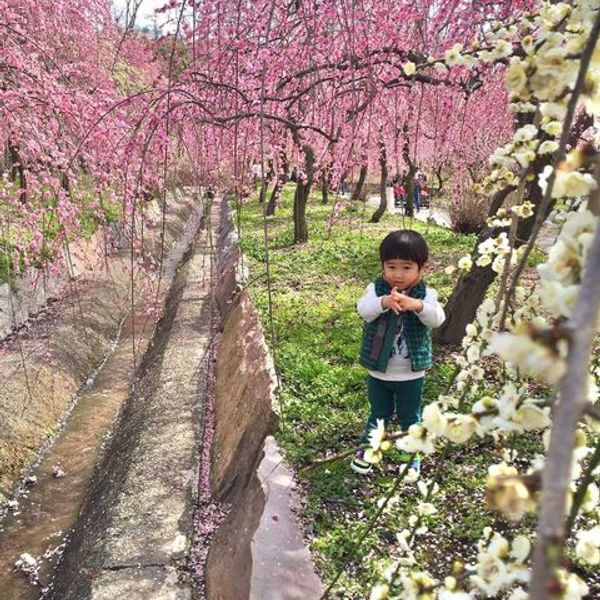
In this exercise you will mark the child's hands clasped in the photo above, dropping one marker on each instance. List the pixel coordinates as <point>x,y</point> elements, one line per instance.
<point>399,302</point>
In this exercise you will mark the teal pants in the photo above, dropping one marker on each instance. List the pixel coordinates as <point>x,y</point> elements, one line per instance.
<point>386,396</point>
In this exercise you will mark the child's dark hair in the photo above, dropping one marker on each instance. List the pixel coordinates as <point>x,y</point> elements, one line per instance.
<point>404,244</point>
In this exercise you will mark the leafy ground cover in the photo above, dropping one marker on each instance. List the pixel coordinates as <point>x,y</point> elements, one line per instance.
<point>323,397</point>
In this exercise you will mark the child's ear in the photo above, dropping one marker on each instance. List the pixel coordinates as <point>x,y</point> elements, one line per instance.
<point>423,268</point>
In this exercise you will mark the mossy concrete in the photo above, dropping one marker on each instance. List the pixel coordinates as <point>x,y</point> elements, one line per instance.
<point>44,364</point>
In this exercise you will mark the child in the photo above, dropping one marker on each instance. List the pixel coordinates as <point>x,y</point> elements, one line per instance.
<point>399,312</point>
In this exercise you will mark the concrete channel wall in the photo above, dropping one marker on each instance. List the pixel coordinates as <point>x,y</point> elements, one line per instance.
<point>258,552</point>
<point>44,364</point>
<point>244,384</point>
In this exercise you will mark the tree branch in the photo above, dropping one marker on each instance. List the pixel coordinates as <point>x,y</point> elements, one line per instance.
<point>568,412</point>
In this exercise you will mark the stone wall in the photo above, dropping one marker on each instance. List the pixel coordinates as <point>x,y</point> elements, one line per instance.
<point>244,384</point>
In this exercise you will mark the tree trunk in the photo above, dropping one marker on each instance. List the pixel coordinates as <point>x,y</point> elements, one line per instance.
<point>300,227</point>
<point>409,181</point>
<point>263,190</point>
<point>460,309</point>
<point>382,183</point>
<point>17,170</point>
<point>301,195</point>
<point>438,175</point>
<point>325,185</point>
<point>279,183</point>
<point>265,181</point>
<point>357,193</point>
<point>285,165</point>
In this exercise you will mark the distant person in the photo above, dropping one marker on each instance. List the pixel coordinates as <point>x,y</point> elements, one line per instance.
<point>399,193</point>
<point>425,195</point>
<point>417,194</point>
<point>399,311</point>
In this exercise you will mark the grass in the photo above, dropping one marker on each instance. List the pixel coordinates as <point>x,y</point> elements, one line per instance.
<point>323,398</point>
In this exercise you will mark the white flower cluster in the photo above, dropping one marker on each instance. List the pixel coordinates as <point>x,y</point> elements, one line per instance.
<point>494,251</point>
<point>508,493</point>
<point>511,411</point>
<point>561,274</point>
<point>534,349</point>
<point>378,442</point>
<point>500,564</point>
<point>569,183</point>
<point>535,346</point>
<point>539,76</point>
<point>455,427</point>
<point>588,545</point>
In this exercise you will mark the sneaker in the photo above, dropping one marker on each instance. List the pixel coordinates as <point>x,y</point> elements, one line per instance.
<point>359,464</point>
<point>415,465</point>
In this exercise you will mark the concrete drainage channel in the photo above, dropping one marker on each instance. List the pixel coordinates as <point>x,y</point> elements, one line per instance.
<point>135,530</point>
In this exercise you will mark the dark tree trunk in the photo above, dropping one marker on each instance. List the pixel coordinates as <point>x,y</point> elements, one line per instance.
<point>301,196</point>
<point>382,183</point>
<point>470,290</point>
<point>285,165</point>
<point>263,190</point>
<point>279,183</point>
<point>357,193</point>
<point>265,181</point>
<point>438,175</point>
<point>325,185</point>
<point>409,182</point>
<point>463,303</point>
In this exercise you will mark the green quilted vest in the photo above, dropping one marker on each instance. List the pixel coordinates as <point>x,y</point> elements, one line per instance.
<point>378,336</point>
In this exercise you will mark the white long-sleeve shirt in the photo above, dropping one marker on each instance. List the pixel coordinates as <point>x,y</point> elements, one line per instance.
<point>399,366</point>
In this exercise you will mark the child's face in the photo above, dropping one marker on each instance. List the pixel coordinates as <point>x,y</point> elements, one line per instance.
<point>402,274</point>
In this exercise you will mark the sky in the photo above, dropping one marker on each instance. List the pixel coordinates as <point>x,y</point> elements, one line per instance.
<point>145,16</point>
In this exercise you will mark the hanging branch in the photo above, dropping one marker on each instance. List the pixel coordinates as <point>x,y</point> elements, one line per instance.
<point>573,396</point>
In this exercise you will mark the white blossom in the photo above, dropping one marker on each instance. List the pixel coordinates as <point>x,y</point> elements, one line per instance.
<point>530,355</point>
<point>460,428</point>
<point>453,56</point>
<point>377,435</point>
<point>520,548</point>
<point>417,440</point>
<point>465,263</point>
<point>433,419</point>
<point>588,545</point>
<point>380,592</point>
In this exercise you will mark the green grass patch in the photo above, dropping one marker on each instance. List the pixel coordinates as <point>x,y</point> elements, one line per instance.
<point>315,287</point>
